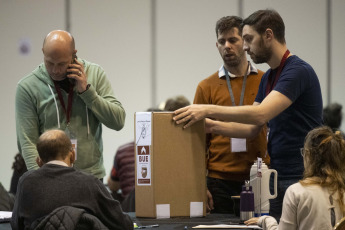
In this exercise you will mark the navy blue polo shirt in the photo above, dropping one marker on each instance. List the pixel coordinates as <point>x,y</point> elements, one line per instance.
<point>299,82</point>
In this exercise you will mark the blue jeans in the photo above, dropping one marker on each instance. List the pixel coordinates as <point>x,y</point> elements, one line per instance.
<point>221,191</point>
<point>276,205</point>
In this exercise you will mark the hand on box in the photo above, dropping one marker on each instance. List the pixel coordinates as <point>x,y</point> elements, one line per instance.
<point>190,114</point>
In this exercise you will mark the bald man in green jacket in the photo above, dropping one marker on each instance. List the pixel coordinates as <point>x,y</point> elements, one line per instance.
<point>70,94</point>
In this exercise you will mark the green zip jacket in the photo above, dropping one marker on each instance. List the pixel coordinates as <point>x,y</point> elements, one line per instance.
<point>38,109</point>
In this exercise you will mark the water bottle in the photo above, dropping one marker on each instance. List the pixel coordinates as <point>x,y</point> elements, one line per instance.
<point>246,202</point>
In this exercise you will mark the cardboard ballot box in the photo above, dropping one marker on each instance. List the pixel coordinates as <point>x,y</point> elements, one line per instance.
<point>170,167</point>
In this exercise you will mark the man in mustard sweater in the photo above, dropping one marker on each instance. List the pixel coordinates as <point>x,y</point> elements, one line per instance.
<point>234,84</point>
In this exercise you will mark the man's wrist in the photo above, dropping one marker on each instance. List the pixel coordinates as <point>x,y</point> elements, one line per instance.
<point>209,109</point>
<point>87,87</point>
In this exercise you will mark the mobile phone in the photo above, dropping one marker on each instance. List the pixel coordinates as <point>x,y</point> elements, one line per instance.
<point>74,57</point>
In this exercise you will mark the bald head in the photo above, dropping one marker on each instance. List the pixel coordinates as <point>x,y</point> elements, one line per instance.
<point>59,51</point>
<point>60,38</point>
<point>53,145</point>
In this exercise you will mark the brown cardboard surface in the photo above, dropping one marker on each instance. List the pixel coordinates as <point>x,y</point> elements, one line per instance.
<point>178,170</point>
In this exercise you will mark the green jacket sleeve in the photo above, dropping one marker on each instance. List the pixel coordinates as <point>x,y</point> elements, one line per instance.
<point>100,99</point>
<point>27,127</point>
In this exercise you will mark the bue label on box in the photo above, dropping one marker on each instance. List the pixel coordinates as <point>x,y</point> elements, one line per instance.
<point>143,165</point>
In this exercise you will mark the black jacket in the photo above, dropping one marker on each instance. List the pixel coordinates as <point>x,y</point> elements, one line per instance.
<point>69,218</point>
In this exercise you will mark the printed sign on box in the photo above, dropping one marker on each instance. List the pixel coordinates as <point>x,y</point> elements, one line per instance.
<point>143,165</point>
<point>143,128</point>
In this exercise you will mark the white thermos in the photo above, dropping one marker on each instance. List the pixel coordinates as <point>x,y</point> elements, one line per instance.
<point>262,196</point>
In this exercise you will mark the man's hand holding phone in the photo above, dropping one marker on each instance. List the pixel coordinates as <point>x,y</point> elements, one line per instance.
<point>76,71</point>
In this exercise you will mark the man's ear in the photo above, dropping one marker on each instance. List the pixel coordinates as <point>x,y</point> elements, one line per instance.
<point>72,156</point>
<point>39,161</point>
<point>269,34</point>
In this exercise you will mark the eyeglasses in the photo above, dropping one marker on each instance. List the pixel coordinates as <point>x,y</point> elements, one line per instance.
<point>302,151</point>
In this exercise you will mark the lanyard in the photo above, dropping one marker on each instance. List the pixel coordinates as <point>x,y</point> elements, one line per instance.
<point>70,98</point>
<point>270,84</point>
<point>243,86</point>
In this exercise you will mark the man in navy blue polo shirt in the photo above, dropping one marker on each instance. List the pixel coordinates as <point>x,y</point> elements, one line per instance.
<point>289,100</point>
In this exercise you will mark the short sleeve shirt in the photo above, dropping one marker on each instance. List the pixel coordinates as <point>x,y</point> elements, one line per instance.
<point>299,82</point>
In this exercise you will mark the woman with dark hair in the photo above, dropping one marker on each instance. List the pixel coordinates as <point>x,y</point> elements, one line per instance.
<point>317,201</point>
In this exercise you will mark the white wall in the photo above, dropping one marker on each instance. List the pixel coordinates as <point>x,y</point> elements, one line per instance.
<point>117,35</point>
<point>186,43</point>
<point>338,55</point>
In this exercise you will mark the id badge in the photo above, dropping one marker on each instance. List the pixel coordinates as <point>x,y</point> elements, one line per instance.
<point>238,145</point>
<point>74,145</point>
<point>73,140</point>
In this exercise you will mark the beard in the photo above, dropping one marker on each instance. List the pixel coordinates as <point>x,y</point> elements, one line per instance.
<point>235,61</point>
<point>263,55</point>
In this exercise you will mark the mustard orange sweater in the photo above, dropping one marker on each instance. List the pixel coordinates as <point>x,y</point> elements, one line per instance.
<point>221,162</point>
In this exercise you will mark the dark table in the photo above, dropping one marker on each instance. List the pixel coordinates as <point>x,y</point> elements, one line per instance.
<point>178,223</point>
<point>181,222</point>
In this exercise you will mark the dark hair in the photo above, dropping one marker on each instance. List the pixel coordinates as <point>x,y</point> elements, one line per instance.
<point>52,145</point>
<point>227,23</point>
<point>176,103</point>
<point>263,19</point>
<point>332,115</point>
<point>324,161</point>
<point>154,109</point>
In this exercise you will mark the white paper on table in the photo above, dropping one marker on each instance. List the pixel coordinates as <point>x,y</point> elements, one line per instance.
<point>5,215</point>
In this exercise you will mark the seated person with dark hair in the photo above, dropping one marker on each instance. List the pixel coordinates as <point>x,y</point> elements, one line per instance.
<point>57,184</point>
<point>332,116</point>
<point>122,173</point>
<point>177,102</point>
